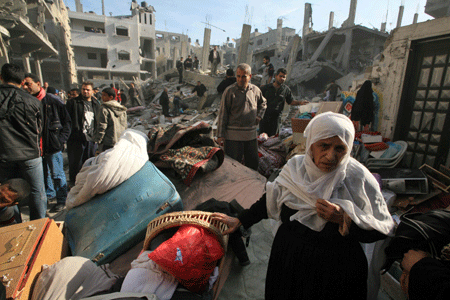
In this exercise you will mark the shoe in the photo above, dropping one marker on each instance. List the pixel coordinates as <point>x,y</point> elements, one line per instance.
<point>57,208</point>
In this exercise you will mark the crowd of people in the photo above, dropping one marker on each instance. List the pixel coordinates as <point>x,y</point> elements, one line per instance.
<point>36,125</point>
<point>325,201</point>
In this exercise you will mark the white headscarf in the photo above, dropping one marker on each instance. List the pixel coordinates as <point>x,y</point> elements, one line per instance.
<point>350,185</point>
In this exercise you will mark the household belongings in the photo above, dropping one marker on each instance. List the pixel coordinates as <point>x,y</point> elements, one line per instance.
<point>110,168</point>
<point>111,223</point>
<point>73,277</point>
<point>428,231</point>
<point>185,149</point>
<point>24,248</point>
<point>404,181</point>
<point>193,252</point>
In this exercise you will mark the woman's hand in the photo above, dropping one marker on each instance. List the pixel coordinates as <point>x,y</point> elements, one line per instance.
<point>233,223</point>
<point>329,211</point>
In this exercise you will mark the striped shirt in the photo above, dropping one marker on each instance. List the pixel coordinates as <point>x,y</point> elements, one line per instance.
<point>238,111</point>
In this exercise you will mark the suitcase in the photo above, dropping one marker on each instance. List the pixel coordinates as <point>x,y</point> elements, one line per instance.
<point>24,248</point>
<point>110,224</point>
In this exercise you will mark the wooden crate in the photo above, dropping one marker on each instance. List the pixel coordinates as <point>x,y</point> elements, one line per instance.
<point>24,248</point>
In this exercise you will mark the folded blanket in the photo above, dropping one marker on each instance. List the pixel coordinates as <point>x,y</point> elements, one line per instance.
<point>186,149</point>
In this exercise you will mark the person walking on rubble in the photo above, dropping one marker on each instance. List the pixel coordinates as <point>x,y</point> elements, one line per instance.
<point>180,67</point>
<point>132,92</point>
<point>333,88</point>
<point>267,71</point>
<point>188,63</point>
<point>112,121</point>
<point>21,118</point>
<point>196,63</point>
<point>84,112</point>
<point>164,101</point>
<point>242,107</point>
<point>55,133</point>
<point>214,58</point>
<point>177,101</point>
<point>229,80</point>
<point>276,94</point>
<point>200,89</point>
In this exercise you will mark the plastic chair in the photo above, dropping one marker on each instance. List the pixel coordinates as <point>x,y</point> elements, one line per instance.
<point>392,162</point>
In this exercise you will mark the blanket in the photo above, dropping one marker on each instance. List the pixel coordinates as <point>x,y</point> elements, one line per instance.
<point>185,149</point>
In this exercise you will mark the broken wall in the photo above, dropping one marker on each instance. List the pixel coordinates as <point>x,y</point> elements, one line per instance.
<point>388,74</point>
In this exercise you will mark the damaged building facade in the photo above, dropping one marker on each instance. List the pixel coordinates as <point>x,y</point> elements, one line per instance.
<point>413,75</point>
<point>111,49</point>
<point>271,43</point>
<point>36,35</point>
<point>170,47</point>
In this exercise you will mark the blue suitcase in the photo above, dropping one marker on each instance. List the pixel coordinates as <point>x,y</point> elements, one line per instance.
<point>109,224</point>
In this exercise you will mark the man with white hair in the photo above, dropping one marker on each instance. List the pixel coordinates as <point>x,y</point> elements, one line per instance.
<point>241,109</point>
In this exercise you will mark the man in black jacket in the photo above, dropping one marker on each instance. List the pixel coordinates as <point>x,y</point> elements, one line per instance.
<point>56,131</point>
<point>229,80</point>
<point>214,58</point>
<point>83,111</point>
<point>180,70</point>
<point>20,128</point>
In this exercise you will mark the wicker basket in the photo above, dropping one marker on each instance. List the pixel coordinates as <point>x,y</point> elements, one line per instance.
<point>299,125</point>
<point>193,217</point>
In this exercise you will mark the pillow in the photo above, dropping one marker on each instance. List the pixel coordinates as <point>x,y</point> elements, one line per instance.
<point>190,256</point>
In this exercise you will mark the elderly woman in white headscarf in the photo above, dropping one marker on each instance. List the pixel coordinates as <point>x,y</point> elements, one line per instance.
<point>328,203</point>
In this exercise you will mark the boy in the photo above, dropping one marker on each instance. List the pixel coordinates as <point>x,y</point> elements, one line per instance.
<point>112,120</point>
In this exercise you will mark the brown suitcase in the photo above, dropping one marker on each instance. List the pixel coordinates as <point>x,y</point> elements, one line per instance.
<point>24,248</point>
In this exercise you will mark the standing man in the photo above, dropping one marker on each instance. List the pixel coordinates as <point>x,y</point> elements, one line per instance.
<point>164,101</point>
<point>267,72</point>
<point>214,58</point>
<point>20,128</point>
<point>333,88</point>
<point>55,132</point>
<point>180,70</point>
<point>196,63</point>
<point>241,109</point>
<point>200,89</point>
<point>73,93</point>
<point>188,63</point>
<point>132,92</point>
<point>123,97</point>
<point>112,121</point>
<point>277,94</point>
<point>83,111</point>
<point>229,80</point>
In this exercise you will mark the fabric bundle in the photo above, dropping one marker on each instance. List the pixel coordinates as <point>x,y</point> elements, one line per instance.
<point>110,168</point>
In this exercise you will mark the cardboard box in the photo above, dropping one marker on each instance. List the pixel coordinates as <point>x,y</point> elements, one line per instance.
<point>24,248</point>
<point>333,106</point>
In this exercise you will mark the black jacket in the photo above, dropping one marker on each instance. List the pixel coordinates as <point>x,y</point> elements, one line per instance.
<point>57,124</point>
<point>200,89</point>
<point>179,65</point>
<point>211,56</point>
<point>20,124</point>
<point>225,83</point>
<point>75,108</point>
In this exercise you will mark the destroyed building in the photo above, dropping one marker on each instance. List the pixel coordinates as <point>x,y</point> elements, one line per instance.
<point>413,75</point>
<point>271,43</point>
<point>170,47</point>
<point>36,35</point>
<point>110,49</point>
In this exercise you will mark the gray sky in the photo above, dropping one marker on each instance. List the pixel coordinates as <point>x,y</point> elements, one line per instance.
<point>187,17</point>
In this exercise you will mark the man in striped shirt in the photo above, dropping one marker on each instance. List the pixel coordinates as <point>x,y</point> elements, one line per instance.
<point>241,109</point>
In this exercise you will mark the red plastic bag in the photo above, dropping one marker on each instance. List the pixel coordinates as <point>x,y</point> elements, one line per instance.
<point>190,256</point>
